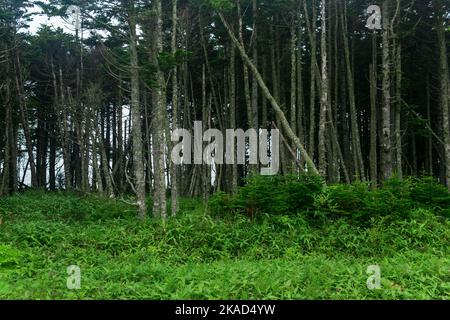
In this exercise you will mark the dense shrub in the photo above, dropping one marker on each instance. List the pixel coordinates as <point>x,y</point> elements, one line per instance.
<point>343,200</point>
<point>428,191</point>
<point>274,195</point>
<point>292,195</point>
<point>358,202</point>
<point>220,204</point>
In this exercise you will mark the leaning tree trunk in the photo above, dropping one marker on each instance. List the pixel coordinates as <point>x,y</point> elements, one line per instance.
<point>276,107</point>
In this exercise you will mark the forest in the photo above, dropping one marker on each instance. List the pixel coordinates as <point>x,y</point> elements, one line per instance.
<point>225,149</point>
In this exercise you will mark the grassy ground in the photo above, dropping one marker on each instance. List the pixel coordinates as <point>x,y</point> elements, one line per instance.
<point>200,257</point>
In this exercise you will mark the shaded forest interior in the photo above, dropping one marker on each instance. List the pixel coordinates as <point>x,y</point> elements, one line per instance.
<point>93,110</point>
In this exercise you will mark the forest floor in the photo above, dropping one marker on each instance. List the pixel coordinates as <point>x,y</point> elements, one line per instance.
<point>196,256</point>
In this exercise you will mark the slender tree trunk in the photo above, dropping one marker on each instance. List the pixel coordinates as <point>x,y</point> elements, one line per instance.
<point>300,92</point>
<point>324,101</point>
<point>159,102</point>
<point>293,111</point>
<point>138,160</point>
<point>430,138</point>
<point>175,106</point>
<point>444,84</point>
<point>105,167</point>
<point>63,128</point>
<point>311,26</point>
<point>265,111</point>
<point>234,174</point>
<point>398,108</point>
<point>120,146</point>
<point>97,183</point>
<point>359,163</point>
<point>8,172</point>
<point>254,100</point>
<point>373,114</point>
<point>247,92</point>
<point>386,154</point>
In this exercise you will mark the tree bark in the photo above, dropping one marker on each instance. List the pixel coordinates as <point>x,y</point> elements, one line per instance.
<point>444,85</point>
<point>234,174</point>
<point>324,101</point>
<point>159,103</point>
<point>386,152</point>
<point>359,163</point>
<point>311,26</point>
<point>398,108</point>
<point>373,114</point>
<point>175,107</point>
<point>138,160</point>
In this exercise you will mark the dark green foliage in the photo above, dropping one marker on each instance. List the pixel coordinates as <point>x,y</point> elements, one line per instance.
<point>430,192</point>
<point>305,195</point>
<point>274,195</point>
<point>220,204</point>
<point>358,201</point>
<point>9,257</point>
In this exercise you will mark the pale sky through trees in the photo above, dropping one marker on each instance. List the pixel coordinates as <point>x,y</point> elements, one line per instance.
<point>42,19</point>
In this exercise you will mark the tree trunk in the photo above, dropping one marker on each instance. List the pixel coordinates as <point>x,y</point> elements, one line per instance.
<point>63,128</point>
<point>138,160</point>
<point>324,101</point>
<point>430,138</point>
<point>311,26</point>
<point>234,174</point>
<point>398,108</point>
<point>359,163</point>
<point>290,133</point>
<point>175,108</point>
<point>293,111</point>
<point>300,92</point>
<point>444,85</point>
<point>386,152</point>
<point>159,103</point>
<point>373,114</point>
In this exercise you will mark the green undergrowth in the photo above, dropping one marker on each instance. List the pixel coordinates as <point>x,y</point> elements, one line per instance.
<point>315,243</point>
